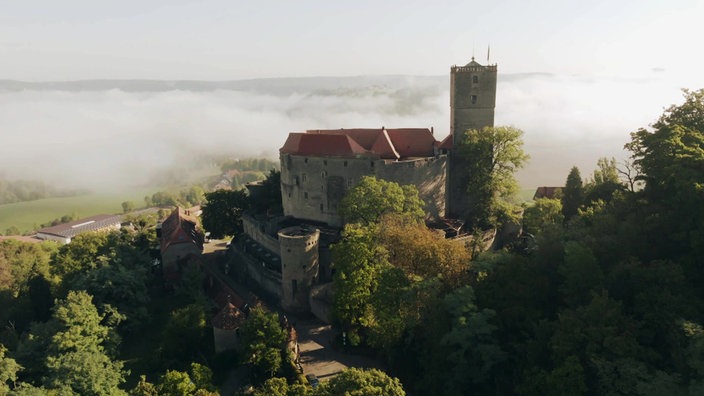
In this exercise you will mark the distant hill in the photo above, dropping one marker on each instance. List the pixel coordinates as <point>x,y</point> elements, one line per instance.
<point>273,86</point>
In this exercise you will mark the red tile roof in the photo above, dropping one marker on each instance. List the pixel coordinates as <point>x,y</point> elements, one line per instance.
<point>382,143</point>
<point>180,227</point>
<point>446,143</point>
<point>229,318</point>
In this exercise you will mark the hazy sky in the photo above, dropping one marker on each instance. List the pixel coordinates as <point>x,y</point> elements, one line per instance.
<point>232,39</point>
<point>611,67</point>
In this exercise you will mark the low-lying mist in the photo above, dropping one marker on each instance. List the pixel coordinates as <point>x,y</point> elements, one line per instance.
<point>109,135</point>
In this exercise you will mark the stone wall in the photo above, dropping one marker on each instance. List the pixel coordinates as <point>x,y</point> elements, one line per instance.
<point>429,175</point>
<point>312,187</point>
<point>175,253</point>
<point>247,268</point>
<point>321,300</point>
<point>254,230</point>
<point>299,266</point>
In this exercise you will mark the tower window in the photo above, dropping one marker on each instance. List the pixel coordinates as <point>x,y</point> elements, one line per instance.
<point>345,163</point>
<point>325,162</point>
<point>303,176</point>
<point>305,195</point>
<point>321,208</point>
<point>473,98</point>
<point>475,79</point>
<point>305,160</point>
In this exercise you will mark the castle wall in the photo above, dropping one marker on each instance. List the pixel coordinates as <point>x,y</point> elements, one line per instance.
<point>246,267</point>
<point>254,230</point>
<point>299,266</point>
<point>312,187</point>
<point>429,175</point>
<point>174,254</point>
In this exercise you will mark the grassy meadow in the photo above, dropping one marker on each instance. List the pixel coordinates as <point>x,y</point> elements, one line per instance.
<point>30,214</point>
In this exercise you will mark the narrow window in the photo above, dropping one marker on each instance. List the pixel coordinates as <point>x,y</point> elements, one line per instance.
<point>303,176</point>
<point>349,182</point>
<point>344,163</point>
<point>321,208</point>
<point>305,160</point>
<point>474,99</point>
<point>475,79</point>
<point>325,162</point>
<point>305,195</point>
<point>372,164</point>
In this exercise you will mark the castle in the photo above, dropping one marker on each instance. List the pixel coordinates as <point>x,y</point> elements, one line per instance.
<point>288,256</point>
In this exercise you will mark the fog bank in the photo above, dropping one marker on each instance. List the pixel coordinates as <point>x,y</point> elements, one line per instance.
<point>118,134</point>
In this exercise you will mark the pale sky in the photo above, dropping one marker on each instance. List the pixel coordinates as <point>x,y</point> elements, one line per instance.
<point>232,39</point>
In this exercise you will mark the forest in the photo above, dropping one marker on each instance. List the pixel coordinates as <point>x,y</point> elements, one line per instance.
<point>601,294</point>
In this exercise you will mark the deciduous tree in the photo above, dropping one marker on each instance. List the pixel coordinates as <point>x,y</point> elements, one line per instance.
<point>493,155</point>
<point>262,339</point>
<point>372,198</point>
<point>360,382</point>
<point>222,212</point>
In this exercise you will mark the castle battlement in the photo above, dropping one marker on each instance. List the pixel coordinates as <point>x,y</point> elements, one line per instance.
<point>476,69</point>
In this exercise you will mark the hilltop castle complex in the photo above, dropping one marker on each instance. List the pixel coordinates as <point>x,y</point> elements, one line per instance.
<point>288,256</point>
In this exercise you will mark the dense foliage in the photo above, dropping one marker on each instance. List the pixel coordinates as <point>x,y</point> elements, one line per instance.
<point>492,156</point>
<point>605,299</point>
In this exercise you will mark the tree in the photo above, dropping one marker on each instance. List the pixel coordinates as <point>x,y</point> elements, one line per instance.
<point>358,261</point>
<point>123,288</point>
<point>144,388</point>
<point>470,346</point>
<point>8,371</point>
<point>670,160</point>
<point>543,213</point>
<point>422,252</point>
<point>127,206</point>
<point>269,196</point>
<point>196,382</point>
<point>185,323</point>
<point>262,338</point>
<point>581,273</point>
<point>372,198</point>
<point>493,154</point>
<point>572,194</point>
<point>361,382</point>
<point>222,212</point>
<point>13,230</point>
<point>85,251</point>
<point>605,182</point>
<point>280,387</point>
<point>75,348</point>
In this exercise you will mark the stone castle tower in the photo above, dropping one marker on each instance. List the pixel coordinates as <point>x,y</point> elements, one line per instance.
<point>472,103</point>
<point>299,266</point>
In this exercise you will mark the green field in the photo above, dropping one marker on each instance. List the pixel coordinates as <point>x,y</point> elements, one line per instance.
<point>28,215</point>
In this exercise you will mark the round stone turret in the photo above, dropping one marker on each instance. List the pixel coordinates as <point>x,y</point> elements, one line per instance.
<point>299,266</point>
